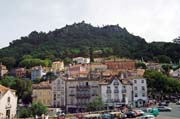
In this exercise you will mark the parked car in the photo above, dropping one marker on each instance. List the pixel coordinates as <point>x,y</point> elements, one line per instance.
<point>130,114</point>
<point>149,116</point>
<point>139,112</point>
<point>153,111</point>
<point>178,102</point>
<point>164,108</point>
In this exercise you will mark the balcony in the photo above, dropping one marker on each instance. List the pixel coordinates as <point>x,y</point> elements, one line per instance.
<point>71,94</point>
<point>82,87</point>
<point>83,96</point>
<point>116,91</point>
<point>108,91</point>
<point>116,100</point>
<point>124,91</point>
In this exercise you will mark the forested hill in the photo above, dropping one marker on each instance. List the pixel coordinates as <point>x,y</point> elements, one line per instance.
<point>76,39</point>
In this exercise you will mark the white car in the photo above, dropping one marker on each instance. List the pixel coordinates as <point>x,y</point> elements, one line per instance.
<point>147,117</point>
<point>164,108</point>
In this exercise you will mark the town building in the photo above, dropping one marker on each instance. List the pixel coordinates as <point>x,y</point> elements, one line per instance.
<point>3,70</point>
<point>8,103</point>
<point>79,92</point>
<point>175,73</point>
<point>81,60</point>
<point>121,65</point>
<point>153,66</point>
<point>42,92</point>
<point>77,70</point>
<point>116,92</point>
<point>58,93</point>
<point>20,72</point>
<point>37,72</point>
<point>139,86</point>
<point>57,66</point>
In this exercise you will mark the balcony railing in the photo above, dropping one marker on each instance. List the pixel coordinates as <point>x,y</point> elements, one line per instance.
<point>82,87</point>
<point>116,91</point>
<point>83,95</point>
<point>108,91</point>
<point>123,91</point>
<point>71,94</point>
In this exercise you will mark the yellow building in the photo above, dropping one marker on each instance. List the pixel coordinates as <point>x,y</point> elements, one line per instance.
<point>42,92</point>
<point>57,66</point>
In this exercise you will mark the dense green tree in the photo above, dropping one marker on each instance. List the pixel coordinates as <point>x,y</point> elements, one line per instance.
<point>96,104</point>
<point>23,87</point>
<point>8,81</point>
<point>24,112</point>
<point>166,68</point>
<point>163,59</point>
<point>140,65</point>
<point>8,61</point>
<point>158,82</point>
<point>38,109</point>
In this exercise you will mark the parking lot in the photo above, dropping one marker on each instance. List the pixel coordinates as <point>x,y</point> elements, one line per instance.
<point>174,114</point>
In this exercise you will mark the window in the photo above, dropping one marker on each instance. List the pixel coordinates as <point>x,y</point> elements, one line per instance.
<point>143,88</point>
<point>142,81</point>
<point>135,88</point>
<point>143,94</point>
<point>135,81</point>
<point>8,100</point>
<point>136,95</point>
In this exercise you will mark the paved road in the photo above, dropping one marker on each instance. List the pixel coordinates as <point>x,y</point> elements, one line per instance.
<point>174,114</point>
<point>169,115</point>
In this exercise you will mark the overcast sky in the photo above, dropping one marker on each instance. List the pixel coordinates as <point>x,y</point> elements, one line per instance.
<point>154,20</point>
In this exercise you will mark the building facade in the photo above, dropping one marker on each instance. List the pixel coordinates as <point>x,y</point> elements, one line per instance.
<point>57,66</point>
<point>20,72</point>
<point>8,103</point>
<point>42,92</point>
<point>139,86</point>
<point>37,72</point>
<point>79,93</point>
<point>58,93</point>
<point>121,65</point>
<point>81,60</point>
<point>116,92</point>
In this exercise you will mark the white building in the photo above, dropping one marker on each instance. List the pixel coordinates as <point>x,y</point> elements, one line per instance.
<point>116,92</point>
<point>58,88</point>
<point>37,72</point>
<point>81,60</point>
<point>139,86</point>
<point>8,103</point>
<point>175,73</point>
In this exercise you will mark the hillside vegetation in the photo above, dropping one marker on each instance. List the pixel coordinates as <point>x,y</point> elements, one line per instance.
<point>76,40</point>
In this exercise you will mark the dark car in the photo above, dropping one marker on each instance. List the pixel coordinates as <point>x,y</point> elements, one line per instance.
<point>130,114</point>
